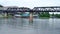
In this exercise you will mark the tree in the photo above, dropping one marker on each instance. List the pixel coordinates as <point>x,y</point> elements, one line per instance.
<point>57,15</point>
<point>1,6</point>
<point>44,14</point>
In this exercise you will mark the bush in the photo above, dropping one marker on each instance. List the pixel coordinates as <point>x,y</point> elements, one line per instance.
<point>57,15</point>
<point>44,14</point>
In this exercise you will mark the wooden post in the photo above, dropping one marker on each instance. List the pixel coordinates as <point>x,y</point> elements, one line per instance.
<point>31,17</point>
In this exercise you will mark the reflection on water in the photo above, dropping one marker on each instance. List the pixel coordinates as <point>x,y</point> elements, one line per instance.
<point>22,26</point>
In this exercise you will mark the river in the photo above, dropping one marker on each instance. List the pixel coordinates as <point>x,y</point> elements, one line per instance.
<point>23,26</point>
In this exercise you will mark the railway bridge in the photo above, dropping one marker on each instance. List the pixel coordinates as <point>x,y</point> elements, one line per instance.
<point>25,9</point>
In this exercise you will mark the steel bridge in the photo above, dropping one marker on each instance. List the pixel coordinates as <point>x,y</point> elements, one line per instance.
<point>35,9</point>
<point>47,9</point>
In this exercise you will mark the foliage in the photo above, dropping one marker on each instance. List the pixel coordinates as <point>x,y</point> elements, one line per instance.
<point>1,6</point>
<point>57,15</point>
<point>44,14</point>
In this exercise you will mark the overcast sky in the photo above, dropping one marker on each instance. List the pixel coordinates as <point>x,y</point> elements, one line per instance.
<point>30,3</point>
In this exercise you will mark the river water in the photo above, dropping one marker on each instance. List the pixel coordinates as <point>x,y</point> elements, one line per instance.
<point>23,26</point>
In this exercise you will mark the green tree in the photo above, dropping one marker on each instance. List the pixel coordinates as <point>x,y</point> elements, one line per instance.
<point>44,14</point>
<point>57,15</point>
<point>1,6</point>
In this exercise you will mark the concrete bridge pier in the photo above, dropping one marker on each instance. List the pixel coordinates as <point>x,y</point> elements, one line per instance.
<point>31,17</point>
<point>6,14</point>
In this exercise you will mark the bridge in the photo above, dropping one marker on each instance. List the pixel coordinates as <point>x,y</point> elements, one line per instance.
<point>47,9</point>
<point>35,9</point>
<point>25,9</point>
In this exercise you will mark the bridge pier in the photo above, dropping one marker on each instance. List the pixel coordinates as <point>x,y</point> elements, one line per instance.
<point>31,17</point>
<point>6,14</point>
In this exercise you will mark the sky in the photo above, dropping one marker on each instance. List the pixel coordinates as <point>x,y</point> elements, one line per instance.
<point>30,3</point>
